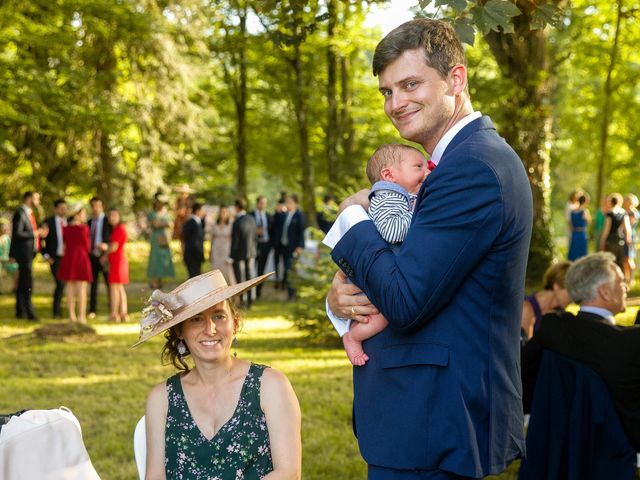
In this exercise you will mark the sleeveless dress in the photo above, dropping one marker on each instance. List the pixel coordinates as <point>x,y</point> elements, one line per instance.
<point>75,265</point>
<point>615,242</point>
<point>118,266</point>
<point>240,450</point>
<point>579,240</point>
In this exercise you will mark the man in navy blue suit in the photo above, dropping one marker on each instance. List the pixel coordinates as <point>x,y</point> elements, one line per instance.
<point>440,397</point>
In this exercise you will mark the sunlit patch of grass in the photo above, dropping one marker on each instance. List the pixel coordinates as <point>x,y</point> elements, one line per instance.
<point>105,382</point>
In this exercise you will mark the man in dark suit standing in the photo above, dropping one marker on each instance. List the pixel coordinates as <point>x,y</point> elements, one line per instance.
<point>25,243</point>
<point>291,240</point>
<point>193,240</point>
<point>591,337</point>
<point>440,397</point>
<point>100,235</point>
<point>279,215</point>
<point>53,249</point>
<point>264,234</point>
<point>244,234</point>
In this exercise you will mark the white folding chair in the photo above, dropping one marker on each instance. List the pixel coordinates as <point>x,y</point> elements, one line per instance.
<point>140,447</point>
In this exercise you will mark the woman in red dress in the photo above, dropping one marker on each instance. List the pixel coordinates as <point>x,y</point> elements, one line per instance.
<point>118,268</point>
<point>75,267</point>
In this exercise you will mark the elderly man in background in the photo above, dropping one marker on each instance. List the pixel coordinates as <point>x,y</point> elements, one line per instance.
<point>591,337</point>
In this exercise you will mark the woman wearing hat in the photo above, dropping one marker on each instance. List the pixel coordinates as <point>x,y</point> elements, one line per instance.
<point>75,266</point>
<point>224,418</point>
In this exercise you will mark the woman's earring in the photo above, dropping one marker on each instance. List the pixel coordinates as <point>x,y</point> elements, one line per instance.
<point>235,345</point>
<point>182,348</point>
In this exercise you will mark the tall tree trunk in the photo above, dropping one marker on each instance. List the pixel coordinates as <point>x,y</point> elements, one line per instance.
<point>523,58</point>
<point>241,109</point>
<point>300,106</point>
<point>106,169</point>
<point>347,134</point>
<point>332,107</point>
<point>606,108</point>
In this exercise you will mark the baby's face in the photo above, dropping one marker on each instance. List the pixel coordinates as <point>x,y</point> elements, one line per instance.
<point>411,171</point>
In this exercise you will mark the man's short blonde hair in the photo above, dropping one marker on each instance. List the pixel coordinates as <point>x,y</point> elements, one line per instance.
<point>386,155</point>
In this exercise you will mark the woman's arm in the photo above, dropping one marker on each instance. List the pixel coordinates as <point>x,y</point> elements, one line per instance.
<point>528,319</point>
<point>113,247</point>
<point>282,411</point>
<point>156,418</point>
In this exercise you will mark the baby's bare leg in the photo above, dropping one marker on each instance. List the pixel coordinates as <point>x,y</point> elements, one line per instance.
<point>352,340</point>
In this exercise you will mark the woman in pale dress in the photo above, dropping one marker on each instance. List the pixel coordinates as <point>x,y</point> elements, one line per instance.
<point>221,244</point>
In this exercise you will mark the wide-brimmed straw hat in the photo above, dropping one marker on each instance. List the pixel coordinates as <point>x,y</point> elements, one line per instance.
<point>75,208</point>
<point>165,310</point>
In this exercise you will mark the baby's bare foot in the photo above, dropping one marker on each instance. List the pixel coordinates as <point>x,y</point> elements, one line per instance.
<point>354,350</point>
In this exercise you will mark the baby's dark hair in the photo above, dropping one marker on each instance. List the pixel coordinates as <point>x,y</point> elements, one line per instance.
<point>386,155</point>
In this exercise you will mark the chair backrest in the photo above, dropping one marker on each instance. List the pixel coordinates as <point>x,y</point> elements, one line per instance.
<point>574,432</point>
<point>140,447</point>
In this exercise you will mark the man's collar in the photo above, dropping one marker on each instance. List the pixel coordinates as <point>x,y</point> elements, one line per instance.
<point>601,312</point>
<point>442,145</point>
<point>27,208</point>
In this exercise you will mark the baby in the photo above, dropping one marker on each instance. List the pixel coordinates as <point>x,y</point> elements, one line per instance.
<point>396,173</point>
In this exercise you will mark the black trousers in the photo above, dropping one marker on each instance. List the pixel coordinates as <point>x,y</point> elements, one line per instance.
<point>193,267</point>
<point>24,306</point>
<point>289,260</point>
<point>243,269</point>
<point>59,290</point>
<point>263,254</point>
<point>279,252</point>
<point>98,270</point>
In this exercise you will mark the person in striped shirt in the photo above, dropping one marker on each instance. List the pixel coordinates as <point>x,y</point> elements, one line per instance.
<point>396,173</point>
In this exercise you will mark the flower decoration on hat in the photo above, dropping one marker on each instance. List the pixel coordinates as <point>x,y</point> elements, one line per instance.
<point>158,309</point>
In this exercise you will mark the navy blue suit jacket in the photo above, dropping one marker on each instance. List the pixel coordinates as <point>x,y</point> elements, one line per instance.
<point>22,240</point>
<point>295,232</point>
<point>442,388</point>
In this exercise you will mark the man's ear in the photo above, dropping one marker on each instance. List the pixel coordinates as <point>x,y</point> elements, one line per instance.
<point>604,291</point>
<point>387,174</point>
<point>457,79</point>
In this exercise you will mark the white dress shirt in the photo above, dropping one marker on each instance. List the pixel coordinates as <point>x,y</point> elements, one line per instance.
<point>60,222</point>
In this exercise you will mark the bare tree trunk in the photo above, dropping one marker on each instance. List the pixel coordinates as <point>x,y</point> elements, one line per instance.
<point>241,109</point>
<point>332,111</point>
<point>606,108</point>
<point>300,106</point>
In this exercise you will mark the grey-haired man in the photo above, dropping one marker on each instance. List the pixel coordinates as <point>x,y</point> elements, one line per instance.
<point>597,284</point>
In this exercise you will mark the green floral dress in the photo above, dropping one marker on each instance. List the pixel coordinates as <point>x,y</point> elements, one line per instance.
<point>240,449</point>
<point>160,261</point>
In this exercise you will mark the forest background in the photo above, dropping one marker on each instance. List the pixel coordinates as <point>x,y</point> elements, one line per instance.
<point>124,98</point>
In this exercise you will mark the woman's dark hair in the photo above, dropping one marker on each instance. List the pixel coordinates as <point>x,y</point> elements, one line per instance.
<point>170,354</point>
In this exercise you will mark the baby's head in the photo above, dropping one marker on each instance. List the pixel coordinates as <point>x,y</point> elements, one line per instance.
<point>399,164</point>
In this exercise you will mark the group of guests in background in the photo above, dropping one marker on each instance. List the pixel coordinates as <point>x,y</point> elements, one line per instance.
<point>78,249</point>
<point>241,240</point>
<point>82,248</point>
<point>614,228</point>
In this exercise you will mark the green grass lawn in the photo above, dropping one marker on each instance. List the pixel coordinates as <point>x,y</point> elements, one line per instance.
<point>105,383</point>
